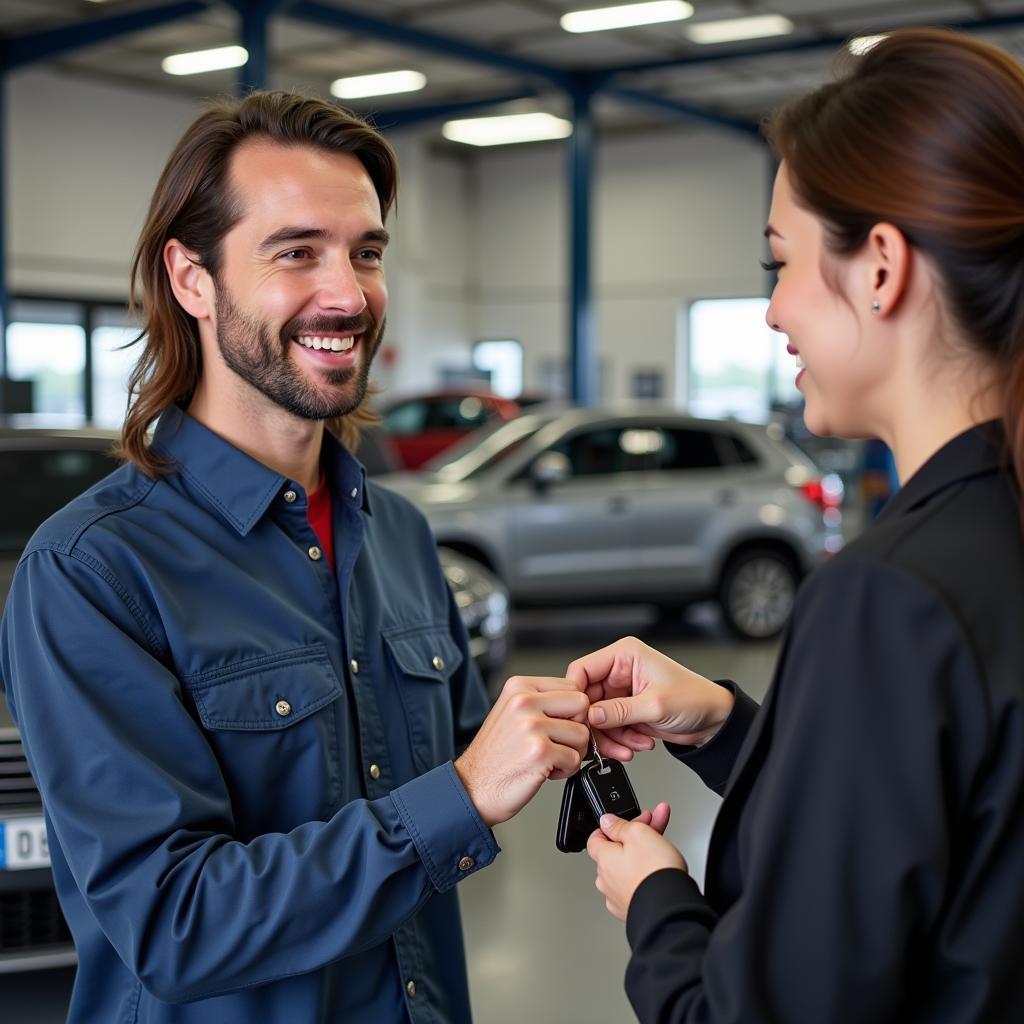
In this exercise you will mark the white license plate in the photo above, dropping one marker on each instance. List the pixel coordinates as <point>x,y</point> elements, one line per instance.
<point>23,844</point>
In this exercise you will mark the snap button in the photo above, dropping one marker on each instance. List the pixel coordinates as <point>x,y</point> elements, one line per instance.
<point>438,662</point>
<point>411,987</point>
<point>315,553</point>
<point>466,863</point>
<point>374,771</point>
<point>355,491</point>
<point>289,496</point>
<point>283,708</point>
<point>354,665</point>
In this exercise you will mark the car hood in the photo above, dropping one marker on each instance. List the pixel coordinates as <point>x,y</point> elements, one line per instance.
<point>427,491</point>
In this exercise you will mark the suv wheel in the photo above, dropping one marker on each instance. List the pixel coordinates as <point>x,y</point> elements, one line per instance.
<point>757,592</point>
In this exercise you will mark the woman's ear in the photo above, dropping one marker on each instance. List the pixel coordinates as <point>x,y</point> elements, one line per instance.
<point>190,282</point>
<point>888,266</point>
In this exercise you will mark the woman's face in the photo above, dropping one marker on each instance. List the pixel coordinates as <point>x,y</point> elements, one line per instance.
<point>829,333</point>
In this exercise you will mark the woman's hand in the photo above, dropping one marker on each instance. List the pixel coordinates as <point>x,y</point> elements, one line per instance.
<point>626,852</point>
<point>638,695</point>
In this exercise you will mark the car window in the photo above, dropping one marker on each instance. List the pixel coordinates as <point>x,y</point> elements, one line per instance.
<point>607,450</point>
<point>406,417</point>
<point>458,412</point>
<point>40,481</point>
<point>686,448</point>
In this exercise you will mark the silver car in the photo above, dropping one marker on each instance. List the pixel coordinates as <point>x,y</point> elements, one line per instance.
<point>575,506</point>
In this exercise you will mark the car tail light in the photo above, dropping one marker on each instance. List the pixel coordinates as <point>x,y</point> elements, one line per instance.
<point>826,493</point>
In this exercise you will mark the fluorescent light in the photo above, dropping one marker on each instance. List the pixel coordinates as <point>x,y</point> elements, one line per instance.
<point>205,60</point>
<point>500,131</point>
<point>600,19</point>
<point>861,44</point>
<point>384,84</point>
<point>732,29</point>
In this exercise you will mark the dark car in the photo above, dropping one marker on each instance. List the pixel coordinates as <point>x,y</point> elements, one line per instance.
<point>40,471</point>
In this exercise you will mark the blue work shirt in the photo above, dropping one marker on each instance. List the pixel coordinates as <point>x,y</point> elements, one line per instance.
<point>245,757</point>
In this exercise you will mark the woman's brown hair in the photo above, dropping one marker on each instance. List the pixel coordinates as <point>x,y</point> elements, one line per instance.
<point>193,203</point>
<point>926,131</point>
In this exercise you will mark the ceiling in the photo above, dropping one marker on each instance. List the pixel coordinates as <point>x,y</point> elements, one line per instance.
<point>731,83</point>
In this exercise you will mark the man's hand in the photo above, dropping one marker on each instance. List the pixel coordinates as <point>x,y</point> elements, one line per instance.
<point>534,732</point>
<point>626,852</point>
<point>640,695</point>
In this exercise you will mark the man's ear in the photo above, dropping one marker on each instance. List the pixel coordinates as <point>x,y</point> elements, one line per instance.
<point>190,282</point>
<point>889,258</point>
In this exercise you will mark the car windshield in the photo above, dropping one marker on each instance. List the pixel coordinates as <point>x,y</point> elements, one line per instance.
<point>484,448</point>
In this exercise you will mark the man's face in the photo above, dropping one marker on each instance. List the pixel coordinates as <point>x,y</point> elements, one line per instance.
<point>301,295</point>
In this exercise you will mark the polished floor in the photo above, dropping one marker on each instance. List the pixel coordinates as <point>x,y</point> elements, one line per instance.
<point>541,946</point>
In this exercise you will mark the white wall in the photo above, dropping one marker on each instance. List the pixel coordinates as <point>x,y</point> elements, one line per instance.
<point>678,216</point>
<point>481,239</point>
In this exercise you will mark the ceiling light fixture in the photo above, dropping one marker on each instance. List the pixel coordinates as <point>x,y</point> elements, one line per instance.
<point>205,60</point>
<point>386,83</point>
<point>601,19</point>
<point>860,45</point>
<point>507,129</point>
<point>730,30</point>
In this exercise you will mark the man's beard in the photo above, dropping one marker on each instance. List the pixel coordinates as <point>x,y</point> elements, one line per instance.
<point>249,348</point>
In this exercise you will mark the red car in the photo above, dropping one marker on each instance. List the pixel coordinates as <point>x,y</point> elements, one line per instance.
<point>421,426</point>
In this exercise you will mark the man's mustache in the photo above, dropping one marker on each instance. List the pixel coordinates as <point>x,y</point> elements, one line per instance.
<point>327,325</point>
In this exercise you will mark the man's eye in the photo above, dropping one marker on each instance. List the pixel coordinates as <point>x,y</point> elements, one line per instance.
<point>370,255</point>
<point>295,254</point>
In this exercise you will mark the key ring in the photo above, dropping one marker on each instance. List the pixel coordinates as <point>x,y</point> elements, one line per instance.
<point>597,753</point>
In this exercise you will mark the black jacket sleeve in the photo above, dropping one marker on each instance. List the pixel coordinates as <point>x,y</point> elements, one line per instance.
<point>842,840</point>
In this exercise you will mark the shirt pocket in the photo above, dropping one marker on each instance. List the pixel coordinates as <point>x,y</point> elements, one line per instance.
<point>273,723</point>
<point>425,660</point>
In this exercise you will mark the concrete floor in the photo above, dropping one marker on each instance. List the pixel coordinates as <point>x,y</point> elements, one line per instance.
<point>541,946</point>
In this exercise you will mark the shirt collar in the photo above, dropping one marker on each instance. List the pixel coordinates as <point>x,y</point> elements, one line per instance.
<point>976,452</point>
<point>238,486</point>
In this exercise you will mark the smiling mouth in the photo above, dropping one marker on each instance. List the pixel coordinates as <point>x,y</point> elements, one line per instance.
<point>326,343</point>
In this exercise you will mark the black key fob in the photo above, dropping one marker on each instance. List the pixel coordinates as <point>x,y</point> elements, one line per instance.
<point>575,818</point>
<point>608,789</point>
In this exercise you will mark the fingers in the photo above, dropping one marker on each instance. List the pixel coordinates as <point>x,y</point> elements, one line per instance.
<point>538,684</point>
<point>620,711</point>
<point>610,666</point>
<point>659,817</point>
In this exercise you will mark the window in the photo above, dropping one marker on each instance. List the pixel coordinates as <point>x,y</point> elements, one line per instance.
<point>37,482</point>
<point>606,450</point>
<point>111,364</point>
<point>406,417</point>
<point>739,367</point>
<point>457,413</point>
<point>689,449</point>
<point>502,359</point>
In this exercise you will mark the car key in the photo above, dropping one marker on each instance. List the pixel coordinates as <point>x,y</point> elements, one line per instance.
<point>576,819</point>
<point>607,787</point>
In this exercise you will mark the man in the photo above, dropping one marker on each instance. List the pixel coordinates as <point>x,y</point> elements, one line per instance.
<point>238,671</point>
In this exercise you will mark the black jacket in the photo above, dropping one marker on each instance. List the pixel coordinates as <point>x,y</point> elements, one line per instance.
<point>867,864</point>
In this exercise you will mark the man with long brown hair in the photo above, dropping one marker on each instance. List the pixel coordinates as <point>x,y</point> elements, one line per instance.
<point>239,674</point>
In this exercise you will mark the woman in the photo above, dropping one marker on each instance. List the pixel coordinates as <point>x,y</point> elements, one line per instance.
<point>867,863</point>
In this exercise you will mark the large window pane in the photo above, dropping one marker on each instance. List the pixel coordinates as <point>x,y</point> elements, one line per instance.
<point>111,364</point>
<point>50,358</point>
<point>738,366</point>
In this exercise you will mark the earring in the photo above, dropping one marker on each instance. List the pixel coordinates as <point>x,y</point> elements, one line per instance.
<point>876,306</point>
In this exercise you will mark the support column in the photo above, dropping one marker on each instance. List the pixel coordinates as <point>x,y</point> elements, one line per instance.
<point>582,354</point>
<point>254,74</point>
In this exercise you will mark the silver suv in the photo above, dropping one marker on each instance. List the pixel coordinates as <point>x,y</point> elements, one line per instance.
<point>579,506</point>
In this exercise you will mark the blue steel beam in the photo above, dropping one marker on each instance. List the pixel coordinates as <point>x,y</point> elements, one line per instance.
<point>387,120</point>
<point>18,51</point>
<point>3,239</point>
<point>420,39</point>
<point>679,109</point>
<point>718,55</point>
<point>582,363</point>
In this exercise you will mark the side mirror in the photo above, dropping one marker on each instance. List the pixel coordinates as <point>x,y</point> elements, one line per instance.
<point>550,468</point>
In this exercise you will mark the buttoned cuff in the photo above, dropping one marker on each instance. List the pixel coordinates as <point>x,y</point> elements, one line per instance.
<point>449,834</point>
<point>714,761</point>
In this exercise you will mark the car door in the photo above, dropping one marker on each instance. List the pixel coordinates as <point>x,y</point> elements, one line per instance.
<point>576,539</point>
<point>687,506</point>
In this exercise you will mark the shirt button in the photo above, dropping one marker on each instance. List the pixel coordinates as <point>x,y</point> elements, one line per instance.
<point>438,662</point>
<point>374,771</point>
<point>466,863</point>
<point>283,708</point>
<point>289,496</point>
<point>354,665</point>
<point>355,491</point>
<point>315,553</point>
<point>411,987</point>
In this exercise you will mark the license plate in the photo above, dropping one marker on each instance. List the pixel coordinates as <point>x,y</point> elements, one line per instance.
<point>23,844</point>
